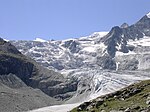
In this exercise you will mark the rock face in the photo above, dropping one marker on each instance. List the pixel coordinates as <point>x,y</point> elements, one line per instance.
<point>106,62</point>
<point>112,39</point>
<point>11,81</point>
<point>7,47</point>
<point>16,65</point>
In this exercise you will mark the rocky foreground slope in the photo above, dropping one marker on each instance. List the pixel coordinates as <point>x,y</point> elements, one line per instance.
<point>134,98</point>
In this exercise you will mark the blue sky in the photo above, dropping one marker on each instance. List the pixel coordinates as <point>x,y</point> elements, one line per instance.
<point>62,19</point>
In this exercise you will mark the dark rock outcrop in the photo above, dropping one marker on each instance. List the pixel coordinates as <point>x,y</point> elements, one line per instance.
<point>128,64</point>
<point>17,65</point>
<point>106,62</point>
<point>72,45</point>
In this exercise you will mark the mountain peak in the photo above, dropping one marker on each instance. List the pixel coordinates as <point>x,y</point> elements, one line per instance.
<point>148,15</point>
<point>124,25</point>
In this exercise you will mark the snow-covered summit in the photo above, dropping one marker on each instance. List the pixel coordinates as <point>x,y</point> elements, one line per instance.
<point>148,15</point>
<point>40,40</point>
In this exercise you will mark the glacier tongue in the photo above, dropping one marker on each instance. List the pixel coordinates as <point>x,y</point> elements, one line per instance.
<point>94,82</point>
<point>108,82</point>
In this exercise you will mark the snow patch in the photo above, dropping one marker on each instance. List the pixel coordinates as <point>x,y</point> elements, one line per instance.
<point>118,47</point>
<point>118,53</point>
<point>6,40</point>
<point>103,46</point>
<point>148,15</point>
<point>89,49</point>
<point>117,65</point>
<point>40,40</point>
